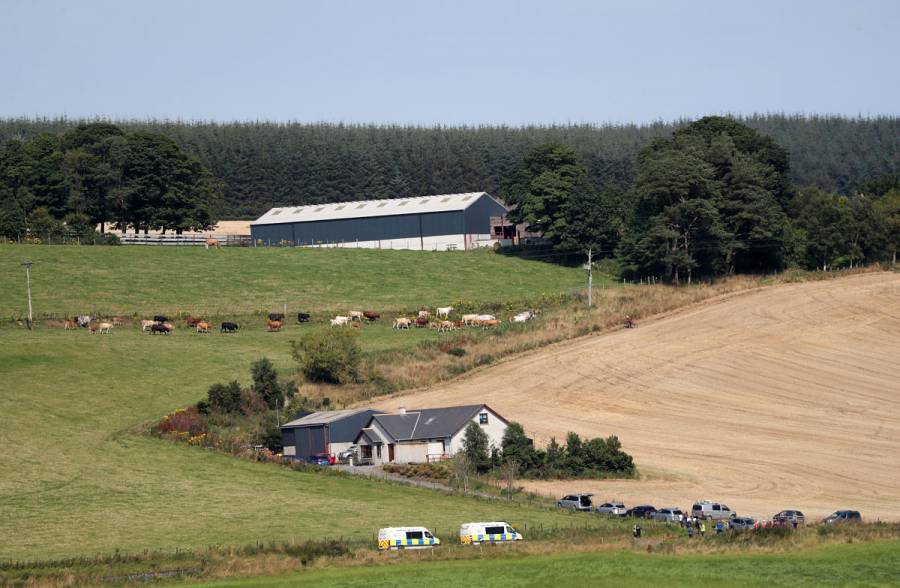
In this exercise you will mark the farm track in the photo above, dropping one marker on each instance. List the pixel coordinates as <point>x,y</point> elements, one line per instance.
<point>785,397</point>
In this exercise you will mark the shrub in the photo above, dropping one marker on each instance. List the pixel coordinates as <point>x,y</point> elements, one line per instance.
<point>331,356</point>
<point>265,382</point>
<point>225,398</point>
<point>456,351</point>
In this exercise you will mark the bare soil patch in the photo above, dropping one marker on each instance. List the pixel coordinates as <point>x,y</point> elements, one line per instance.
<point>785,397</point>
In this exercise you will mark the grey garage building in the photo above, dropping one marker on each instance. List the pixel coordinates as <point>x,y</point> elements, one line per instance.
<point>428,223</point>
<point>323,432</point>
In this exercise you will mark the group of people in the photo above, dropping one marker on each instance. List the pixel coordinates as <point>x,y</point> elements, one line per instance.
<point>690,524</point>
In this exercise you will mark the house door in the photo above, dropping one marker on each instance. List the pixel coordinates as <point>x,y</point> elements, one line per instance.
<point>390,452</point>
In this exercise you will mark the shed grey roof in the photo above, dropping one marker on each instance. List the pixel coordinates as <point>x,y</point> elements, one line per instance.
<point>428,423</point>
<point>370,208</point>
<point>324,417</point>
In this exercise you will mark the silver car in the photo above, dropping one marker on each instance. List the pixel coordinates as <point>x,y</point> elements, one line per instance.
<point>611,508</point>
<point>668,515</point>
<point>741,524</point>
<point>576,502</point>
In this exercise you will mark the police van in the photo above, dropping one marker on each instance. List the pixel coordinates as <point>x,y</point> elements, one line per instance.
<point>476,533</point>
<point>406,538</point>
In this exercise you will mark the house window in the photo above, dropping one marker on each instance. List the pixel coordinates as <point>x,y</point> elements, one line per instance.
<point>482,418</point>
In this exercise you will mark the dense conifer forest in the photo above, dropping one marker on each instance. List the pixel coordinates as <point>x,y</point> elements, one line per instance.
<point>264,164</point>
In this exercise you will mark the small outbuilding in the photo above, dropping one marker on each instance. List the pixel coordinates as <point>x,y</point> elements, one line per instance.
<point>426,435</point>
<point>328,432</point>
<point>428,223</point>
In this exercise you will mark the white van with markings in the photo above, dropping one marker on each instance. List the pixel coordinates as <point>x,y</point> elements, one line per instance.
<point>498,532</point>
<point>406,538</point>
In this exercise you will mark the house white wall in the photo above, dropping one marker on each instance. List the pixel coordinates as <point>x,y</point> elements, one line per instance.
<point>495,428</point>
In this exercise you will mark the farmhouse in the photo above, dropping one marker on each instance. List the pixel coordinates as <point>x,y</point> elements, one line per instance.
<point>421,436</point>
<point>427,223</point>
<point>323,432</point>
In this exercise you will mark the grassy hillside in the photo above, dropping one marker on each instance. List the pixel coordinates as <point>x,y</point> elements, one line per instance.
<point>147,280</point>
<point>77,477</point>
<point>866,564</point>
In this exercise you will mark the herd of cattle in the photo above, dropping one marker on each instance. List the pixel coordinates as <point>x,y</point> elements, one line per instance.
<point>440,321</point>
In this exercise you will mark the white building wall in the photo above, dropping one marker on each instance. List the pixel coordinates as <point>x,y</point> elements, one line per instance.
<point>495,428</point>
<point>438,243</point>
<point>411,452</point>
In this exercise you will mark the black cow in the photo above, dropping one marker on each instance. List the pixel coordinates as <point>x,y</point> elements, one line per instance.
<point>159,328</point>
<point>160,318</point>
<point>276,316</point>
<point>303,317</point>
<point>229,327</point>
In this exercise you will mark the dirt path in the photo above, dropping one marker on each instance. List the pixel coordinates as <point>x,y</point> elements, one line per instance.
<point>788,397</point>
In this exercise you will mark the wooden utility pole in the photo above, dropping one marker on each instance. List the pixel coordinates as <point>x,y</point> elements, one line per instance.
<point>27,266</point>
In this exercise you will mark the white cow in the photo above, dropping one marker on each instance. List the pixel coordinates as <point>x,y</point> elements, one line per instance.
<point>468,318</point>
<point>355,315</point>
<point>444,311</point>
<point>401,323</point>
<point>523,316</point>
<point>424,314</point>
<point>340,321</point>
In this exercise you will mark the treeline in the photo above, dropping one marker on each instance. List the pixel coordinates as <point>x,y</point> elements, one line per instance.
<point>97,174</point>
<point>270,164</point>
<point>716,197</point>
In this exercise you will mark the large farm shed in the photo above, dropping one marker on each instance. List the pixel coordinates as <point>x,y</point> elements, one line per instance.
<point>428,223</point>
<point>323,432</point>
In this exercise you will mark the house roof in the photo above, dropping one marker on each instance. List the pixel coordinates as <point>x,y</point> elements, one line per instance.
<point>370,208</point>
<point>324,417</point>
<point>428,423</point>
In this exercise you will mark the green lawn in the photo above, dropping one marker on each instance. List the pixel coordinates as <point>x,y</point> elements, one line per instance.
<point>859,564</point>
<point>146,280</point>
<point>77,478</point>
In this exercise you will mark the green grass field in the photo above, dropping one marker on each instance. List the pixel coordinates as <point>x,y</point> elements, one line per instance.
<point>76,476</point>
<point>69,280</point>
<point>859,564</point>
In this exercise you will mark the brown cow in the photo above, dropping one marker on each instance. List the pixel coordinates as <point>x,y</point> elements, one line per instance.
<point>489,324</point>
<point>118,321</point>
<point>274,325</point>
<point>71,325</point>
<point>212,242</point>
<point>203,327</point>
<point>371,315</point>
<point>421,322</point>
<point>191,321</point>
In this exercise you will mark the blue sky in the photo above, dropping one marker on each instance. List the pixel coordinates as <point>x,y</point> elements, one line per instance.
<point>452,62</point>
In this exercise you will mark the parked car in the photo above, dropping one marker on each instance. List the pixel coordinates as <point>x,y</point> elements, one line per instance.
<point>741,524</point>
<point>711,510</point>
<point>668,515</point>
<point>644,511</point>
<point>789,517</point>
<point>576,502</point>
<point>611,508</point>
<point>843,516</point>
<point>320,459</point>
<point>351,452</point>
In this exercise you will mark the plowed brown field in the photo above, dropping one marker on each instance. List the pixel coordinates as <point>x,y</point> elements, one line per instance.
<point>785,397</point>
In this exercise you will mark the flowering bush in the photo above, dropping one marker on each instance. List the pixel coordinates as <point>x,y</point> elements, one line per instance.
<point>183,420</point>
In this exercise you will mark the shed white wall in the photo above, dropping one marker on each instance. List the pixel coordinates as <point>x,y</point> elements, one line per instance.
<point>494,429</point>
<point>438,243</point>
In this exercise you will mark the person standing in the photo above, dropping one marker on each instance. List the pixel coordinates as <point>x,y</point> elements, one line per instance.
<point>702,529</point>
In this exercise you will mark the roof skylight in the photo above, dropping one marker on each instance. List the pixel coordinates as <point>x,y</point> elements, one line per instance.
<point>320,209</point>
